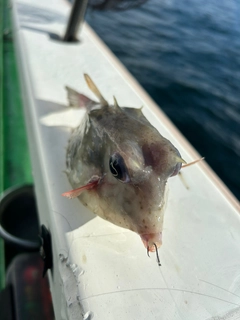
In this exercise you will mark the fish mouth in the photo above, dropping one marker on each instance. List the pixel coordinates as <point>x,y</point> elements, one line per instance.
<point>152,241</point>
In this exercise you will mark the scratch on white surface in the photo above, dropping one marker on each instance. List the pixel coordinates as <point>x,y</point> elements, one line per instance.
<point>71,308</point>
<point>230,315</point>
<point>214,285</point>
<point>163,289</point>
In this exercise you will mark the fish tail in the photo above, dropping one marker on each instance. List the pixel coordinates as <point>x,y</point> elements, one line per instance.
<point>78,100</point>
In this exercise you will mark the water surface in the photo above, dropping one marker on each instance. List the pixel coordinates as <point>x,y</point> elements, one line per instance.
<point>186,54</point>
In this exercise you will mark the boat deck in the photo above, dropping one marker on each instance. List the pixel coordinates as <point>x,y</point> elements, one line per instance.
<point>101,270</point>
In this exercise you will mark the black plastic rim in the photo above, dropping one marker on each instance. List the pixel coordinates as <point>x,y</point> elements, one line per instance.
<point>7,198</point>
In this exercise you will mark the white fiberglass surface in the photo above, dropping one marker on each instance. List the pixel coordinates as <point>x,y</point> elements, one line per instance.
<point>102,271</point>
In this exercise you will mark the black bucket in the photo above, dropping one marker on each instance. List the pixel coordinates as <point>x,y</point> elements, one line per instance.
<point>19,225</point>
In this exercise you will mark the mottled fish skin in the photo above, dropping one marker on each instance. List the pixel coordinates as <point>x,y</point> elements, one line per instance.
<point>132,161</point>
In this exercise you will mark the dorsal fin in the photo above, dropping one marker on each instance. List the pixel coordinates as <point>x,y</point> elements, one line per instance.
<point>95,90</point>
<point>115,102</point>
<point>78,100</point>
<point>116,106</point>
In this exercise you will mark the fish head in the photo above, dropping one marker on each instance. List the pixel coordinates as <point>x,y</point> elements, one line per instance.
<point>135,184</point>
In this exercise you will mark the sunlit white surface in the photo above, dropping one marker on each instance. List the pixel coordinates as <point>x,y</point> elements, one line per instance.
<point>100,270</point>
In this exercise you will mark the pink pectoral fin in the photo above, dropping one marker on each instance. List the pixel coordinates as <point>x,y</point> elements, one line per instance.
<point>76,192</point>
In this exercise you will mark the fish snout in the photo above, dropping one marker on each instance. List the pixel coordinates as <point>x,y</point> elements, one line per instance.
<point>152,240</point>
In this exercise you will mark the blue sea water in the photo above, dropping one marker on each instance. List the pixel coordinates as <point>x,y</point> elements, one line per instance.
<point>186,54</point>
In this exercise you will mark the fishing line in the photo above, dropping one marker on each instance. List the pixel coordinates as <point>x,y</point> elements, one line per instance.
<point>178,310</point>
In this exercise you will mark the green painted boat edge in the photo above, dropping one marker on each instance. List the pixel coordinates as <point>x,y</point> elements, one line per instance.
<point>17,165</point>
<point>15,168</point>
<point>2,262</point>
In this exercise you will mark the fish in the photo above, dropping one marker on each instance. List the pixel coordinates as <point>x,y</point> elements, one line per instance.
<point>118,165</point>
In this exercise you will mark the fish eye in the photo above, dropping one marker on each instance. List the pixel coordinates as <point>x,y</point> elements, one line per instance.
<point>176,169</point>
<point>118,168</point>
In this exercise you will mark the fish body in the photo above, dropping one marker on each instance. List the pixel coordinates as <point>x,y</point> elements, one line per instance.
<point>118,165</point>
